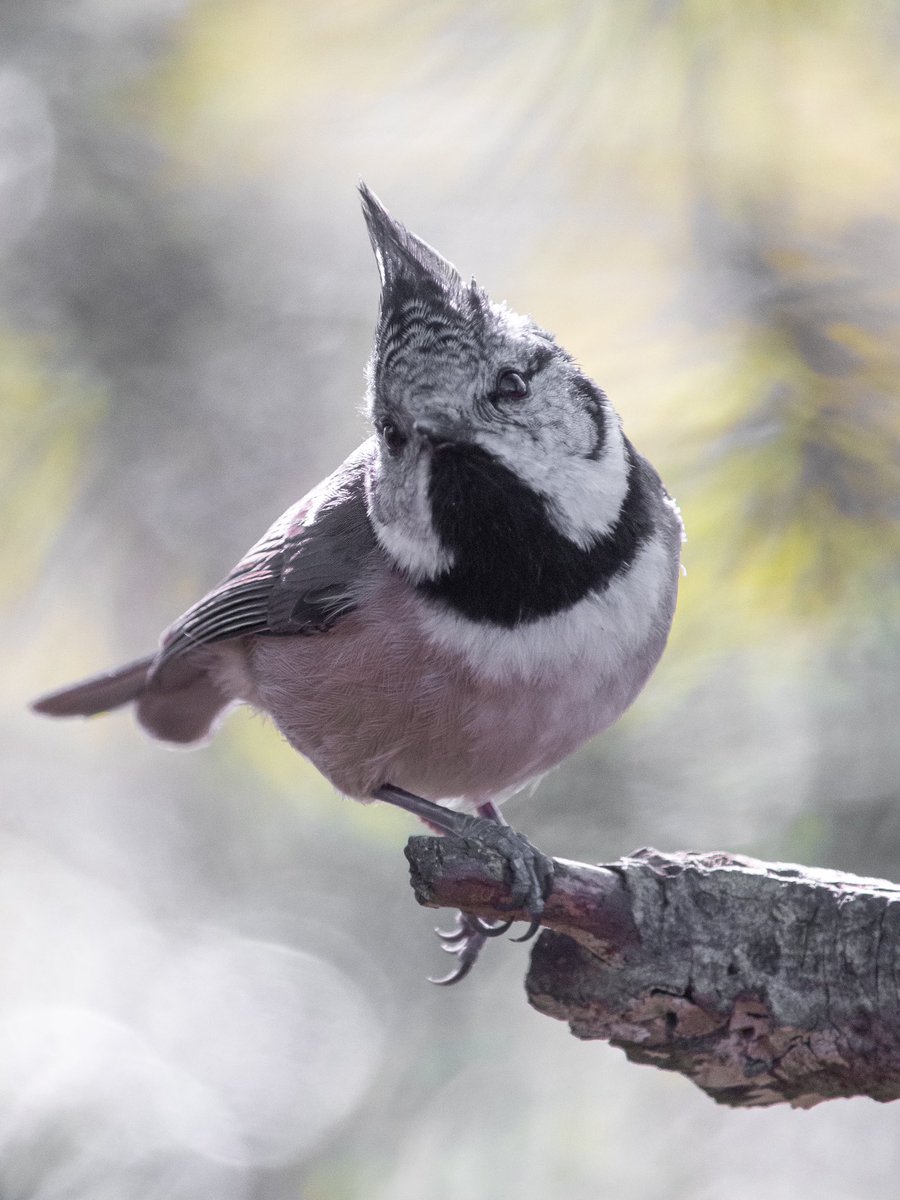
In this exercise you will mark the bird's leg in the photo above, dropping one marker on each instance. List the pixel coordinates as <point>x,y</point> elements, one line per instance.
<point>492,811</point>
<point>531,871</point>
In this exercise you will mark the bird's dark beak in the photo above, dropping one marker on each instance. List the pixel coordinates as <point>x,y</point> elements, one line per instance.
<point>436,433</point>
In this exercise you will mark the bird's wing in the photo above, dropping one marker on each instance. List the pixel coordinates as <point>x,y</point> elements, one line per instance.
<point>302,576</point>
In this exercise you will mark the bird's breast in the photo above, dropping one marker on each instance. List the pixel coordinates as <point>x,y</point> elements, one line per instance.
<point>406,692</point>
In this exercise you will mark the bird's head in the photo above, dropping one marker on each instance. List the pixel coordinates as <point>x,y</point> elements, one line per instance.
<point>486,428</point>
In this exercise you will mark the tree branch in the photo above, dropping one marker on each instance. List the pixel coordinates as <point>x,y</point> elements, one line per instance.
<point>762,982</point>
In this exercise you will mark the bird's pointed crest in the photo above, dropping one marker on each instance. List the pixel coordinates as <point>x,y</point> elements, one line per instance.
<point>405,262</point>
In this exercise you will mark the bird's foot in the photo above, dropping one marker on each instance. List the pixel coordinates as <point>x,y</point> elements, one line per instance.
<point>530,871</point>
<point>531,882</point>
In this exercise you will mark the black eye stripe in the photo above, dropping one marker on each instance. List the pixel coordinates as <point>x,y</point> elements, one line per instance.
<point>593,399</point>
<point>536,363</point>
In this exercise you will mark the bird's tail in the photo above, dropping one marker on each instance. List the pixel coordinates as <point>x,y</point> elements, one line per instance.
<point>182,703</point>
<point>98,694</point>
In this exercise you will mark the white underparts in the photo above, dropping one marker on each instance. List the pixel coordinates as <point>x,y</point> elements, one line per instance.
<point>601,634</point>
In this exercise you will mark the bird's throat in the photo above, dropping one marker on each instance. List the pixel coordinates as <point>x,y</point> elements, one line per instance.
<point>511,564</point>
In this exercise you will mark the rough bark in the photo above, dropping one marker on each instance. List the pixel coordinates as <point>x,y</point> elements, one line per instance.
<point>762,982</point>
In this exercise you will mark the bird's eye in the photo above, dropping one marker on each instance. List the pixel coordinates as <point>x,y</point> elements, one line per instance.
<point>393,438</point>
<point>510,386</point>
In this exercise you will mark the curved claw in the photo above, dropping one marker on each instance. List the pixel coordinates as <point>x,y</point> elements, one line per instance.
<point>449,937</point>
<point>491,928</point>
<point>465,942</point>
<point>455,975</point>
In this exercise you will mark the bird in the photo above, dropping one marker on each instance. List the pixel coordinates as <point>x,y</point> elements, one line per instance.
<point>484,584</point>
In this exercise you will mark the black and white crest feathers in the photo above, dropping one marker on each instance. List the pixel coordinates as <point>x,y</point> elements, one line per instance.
<point>404,259</point>
<point>425,304</point>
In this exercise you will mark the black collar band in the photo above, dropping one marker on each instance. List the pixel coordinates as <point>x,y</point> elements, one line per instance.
<point>512,566</point>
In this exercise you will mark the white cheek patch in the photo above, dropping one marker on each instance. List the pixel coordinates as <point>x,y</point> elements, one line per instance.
<point>405,530</point>
<point>584,496</point>
<point>417,551</point>
<point>603,634</point>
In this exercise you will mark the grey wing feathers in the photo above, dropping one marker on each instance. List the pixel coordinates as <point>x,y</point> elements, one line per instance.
<point>300,577</point>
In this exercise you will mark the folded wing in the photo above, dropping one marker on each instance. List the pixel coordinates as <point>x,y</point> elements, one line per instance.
<point>300,578</point>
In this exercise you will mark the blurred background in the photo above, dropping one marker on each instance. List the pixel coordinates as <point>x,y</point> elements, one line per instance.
<point>212,971</point>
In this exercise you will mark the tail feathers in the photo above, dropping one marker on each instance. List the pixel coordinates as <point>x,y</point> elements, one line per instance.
<point>98,694</point>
